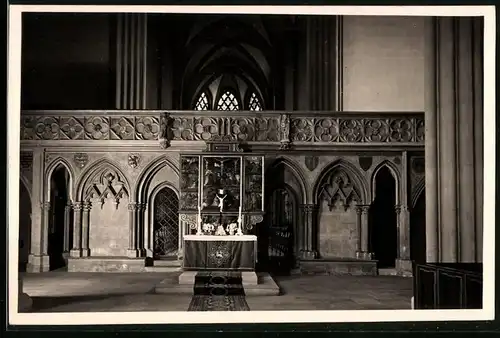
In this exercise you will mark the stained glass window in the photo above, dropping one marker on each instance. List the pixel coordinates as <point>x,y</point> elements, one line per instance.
<point>228,102</point>
<point>202,103</point>
<point>254,103</point>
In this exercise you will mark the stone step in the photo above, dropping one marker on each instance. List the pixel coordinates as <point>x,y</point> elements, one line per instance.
<point>387,272</point>
<point>167,262</point>
<point>162,268</point>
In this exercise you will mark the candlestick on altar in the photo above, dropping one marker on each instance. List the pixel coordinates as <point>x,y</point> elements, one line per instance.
<point>199,221</point>
<point>239,232</point>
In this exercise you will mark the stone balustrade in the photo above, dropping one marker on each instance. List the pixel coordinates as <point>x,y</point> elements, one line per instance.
<point>282,128</point>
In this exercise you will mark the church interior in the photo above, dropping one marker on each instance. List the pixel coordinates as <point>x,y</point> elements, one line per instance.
<point>250,162</point>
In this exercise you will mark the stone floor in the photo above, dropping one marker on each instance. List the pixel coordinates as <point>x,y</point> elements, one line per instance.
<point>90,292</point>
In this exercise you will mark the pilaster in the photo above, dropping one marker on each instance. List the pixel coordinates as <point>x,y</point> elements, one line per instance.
<point>309,250</point>
<point>87,206</point>
<point>67,228</point>
<point>37,261</point>
<point>362,211</point>
<point>76,251</point>
<point>132,251</point>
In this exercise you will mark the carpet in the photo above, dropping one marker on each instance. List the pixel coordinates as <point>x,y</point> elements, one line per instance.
<point>218,291</point>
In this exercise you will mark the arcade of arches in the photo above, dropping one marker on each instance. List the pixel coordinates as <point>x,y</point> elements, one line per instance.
<point>346,189</point>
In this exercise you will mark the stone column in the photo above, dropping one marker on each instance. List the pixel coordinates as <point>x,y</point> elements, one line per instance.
<point>451,124</point>
<point>359,211</point>
<point>465,126</point>
<point>365,234</point>
<point>431,151</point>
<point>131,61</point>
<point>45,227</point>
<point>132,244</point>
<point>447,150</point>
<point>309,251</point>
<point>87,206</point>
<point>37,261</point>
<point>141,226</point>
<point>67,227</point>
<point>77,230</point>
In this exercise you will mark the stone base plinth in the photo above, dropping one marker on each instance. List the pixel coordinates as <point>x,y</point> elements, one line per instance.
<point>38,263</point>
<point>308,255</point>
<point>248,278</point>
<point>339,266</point>
<point>106,264</point>
<point>364,255</point>
<point>404,267</point>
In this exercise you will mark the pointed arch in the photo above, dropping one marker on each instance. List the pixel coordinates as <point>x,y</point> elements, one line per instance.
<point>396,174</point>
<point>60,161</point>
<point>350,170</point>
<point>95,169</point>
<point>147,174</point>
<point>295,170</point>
<point>417,191</point>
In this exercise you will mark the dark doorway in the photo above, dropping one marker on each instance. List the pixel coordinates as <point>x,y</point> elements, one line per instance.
<point>383,221</point>
<point>277,234</point>
<point>166,224</point>
<point>417,230</point>
<point>24,227</point>
<point>59,200</point>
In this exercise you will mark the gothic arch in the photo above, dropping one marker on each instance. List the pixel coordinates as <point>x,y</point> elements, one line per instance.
<point>417,191</point>
<point>144,179</point>
<point>296,171</point>
<point>95,169</point>
<point>352,173</point>
<point>394,170</point>
<point>48,174</point>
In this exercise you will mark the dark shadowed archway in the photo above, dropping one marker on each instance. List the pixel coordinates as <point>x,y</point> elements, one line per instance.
<point>383,220</point>
<point>24,227</point>
<point>417,230</point>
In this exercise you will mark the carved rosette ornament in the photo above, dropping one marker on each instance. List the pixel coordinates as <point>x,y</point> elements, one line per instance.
<point>253,220</point>
<point>189,219</point>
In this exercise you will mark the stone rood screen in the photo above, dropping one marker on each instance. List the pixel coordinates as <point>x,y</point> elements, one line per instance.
<point>285,129</point>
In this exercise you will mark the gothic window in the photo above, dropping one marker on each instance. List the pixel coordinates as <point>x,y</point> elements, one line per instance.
<point>254,103</point>
<point>202,103</point>
<point>228,101</point>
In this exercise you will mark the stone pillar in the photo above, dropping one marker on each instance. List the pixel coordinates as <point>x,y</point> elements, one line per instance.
<point>309,251</point>
<point>431,144</point>
<point>477,61</point>
<point>131,61</point>
<point>359,211</point>
<point>447,150</point>
<point>141,226</point>
<point>132,244</point>
<point>87,206</point>
<point>465,126</point>
<point>67,228</point>
<point>365,234</point>
<point>451,122</point>
<point>77,230</point>
<point>45,227</point>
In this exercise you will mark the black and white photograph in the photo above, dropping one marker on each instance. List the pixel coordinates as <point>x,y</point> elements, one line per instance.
<point>274,163</point>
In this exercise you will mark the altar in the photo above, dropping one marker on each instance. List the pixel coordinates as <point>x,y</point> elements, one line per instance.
<point>220,252</point>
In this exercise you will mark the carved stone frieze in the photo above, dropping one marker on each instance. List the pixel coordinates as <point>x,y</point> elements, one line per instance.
<point>283,128</point>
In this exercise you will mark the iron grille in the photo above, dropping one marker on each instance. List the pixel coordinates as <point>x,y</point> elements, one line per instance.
<point>166,223</point>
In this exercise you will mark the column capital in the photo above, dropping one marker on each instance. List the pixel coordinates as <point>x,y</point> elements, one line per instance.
<point>134,206</point>
<point>77,206</point>
<point>397,208</point>
<point>45,205</point>
<point>362,208</point>
<point>87,206</point>
<point>309,207</point>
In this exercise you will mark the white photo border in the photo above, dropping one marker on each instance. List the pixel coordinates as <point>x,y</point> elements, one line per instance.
<point>350,316</point>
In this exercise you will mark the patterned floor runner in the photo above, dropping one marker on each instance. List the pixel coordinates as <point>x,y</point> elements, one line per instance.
<point>218,291</point>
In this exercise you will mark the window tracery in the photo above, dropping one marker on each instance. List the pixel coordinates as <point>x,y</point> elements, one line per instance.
<point>254,103</point>
<point>228,102</point>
